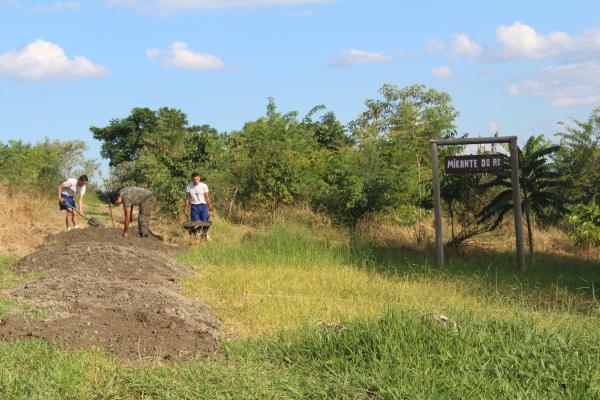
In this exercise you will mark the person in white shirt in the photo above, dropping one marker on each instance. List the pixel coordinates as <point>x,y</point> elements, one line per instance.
<point>66,198</point>
<point>197,200</point>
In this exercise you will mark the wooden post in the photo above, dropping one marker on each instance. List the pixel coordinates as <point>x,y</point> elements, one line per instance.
<point>439,236</point>
<point>517,211</point>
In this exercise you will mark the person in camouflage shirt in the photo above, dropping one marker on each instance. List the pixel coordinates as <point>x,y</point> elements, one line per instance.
<point>137,196</point>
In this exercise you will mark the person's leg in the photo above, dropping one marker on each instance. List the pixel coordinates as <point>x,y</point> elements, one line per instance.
<point>68,205</point>
<point>203,208</point>
<point>144,216</point>
<point>204,218</point>
<point>195,213</point>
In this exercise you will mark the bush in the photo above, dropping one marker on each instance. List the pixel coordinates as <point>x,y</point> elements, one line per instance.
<point>584,224</point>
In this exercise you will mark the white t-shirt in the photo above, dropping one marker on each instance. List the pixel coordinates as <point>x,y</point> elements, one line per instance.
<point>73,189</point>
<point>197,192</point>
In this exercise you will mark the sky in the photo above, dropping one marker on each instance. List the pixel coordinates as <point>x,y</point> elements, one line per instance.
<point>513,67</point>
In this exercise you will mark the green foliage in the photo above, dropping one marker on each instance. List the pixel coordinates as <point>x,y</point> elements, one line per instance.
<point>579,158</point>
<point>346,193</point>
<point>158,150</point>
<point>393,135</point>
<point>123,138</point>
<point>463,197</point>
<point>270,159</point>
<point>540,182</point>
<point>44,165</point>
<point>584,224</point>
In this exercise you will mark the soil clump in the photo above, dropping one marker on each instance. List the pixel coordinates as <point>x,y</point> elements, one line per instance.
<point>98,289</point>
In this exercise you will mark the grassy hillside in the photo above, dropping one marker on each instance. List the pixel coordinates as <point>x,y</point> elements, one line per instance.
<point>318,313</point>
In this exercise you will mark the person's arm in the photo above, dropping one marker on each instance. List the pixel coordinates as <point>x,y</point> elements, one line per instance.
<point>208,201</point>
<point>127,212</point>
<point>59,189</point>
<point>187,205</point>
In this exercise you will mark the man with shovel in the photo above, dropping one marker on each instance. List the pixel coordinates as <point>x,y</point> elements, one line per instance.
<point>66,199</point>
<point>137,196</point>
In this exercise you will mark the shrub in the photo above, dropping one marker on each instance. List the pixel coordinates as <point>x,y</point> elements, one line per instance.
<point>584,224</point>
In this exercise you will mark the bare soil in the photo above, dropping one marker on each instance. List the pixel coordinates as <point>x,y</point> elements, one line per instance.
<point>99,289</point>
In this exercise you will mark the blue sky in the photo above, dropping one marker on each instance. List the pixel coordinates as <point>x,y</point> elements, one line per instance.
<point>517,67</point>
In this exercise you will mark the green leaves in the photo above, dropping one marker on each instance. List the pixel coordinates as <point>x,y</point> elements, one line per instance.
<point>584,224</point>
<point>158,150</point>
<point>43,165</point>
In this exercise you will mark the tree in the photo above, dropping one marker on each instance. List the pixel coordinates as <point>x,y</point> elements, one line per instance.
<point>579,158</point>
<point>346,193</point>
<point>270,159</point>
<point>123,139</point>
<point>462,196</point>
<point>158,150</point>
<point>328,132</point>
<point>393,135</point>
<point>540,182</point>
<point>43,165</point>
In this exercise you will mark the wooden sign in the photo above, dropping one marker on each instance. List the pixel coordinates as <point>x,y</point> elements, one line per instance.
<point>474,163</point>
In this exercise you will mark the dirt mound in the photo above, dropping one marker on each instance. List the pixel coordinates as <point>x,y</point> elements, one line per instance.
<point>99,289</point>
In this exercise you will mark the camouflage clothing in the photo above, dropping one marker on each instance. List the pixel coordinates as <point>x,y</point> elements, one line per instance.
<point>145,199</point>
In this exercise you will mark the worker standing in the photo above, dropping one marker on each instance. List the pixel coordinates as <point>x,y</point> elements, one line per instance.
<point>198,201</point>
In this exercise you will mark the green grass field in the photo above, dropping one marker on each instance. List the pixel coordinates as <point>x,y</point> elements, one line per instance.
<point>324,315</point>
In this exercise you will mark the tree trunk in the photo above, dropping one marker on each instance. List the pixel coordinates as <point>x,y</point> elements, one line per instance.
<point>451,209</point>
<point>529,234</point>
<point>420,233</point>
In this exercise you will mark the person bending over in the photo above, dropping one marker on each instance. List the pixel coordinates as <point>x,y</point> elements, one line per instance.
<point>137,196</point>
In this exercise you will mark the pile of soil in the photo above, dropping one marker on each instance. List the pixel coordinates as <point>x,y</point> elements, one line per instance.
<point>121,294</point>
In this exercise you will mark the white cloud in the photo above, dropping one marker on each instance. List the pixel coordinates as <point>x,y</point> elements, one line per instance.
<point>179,56</point>
<point>434,45</point>
<point>442,72</point>
<point>354,57</point>
<point>520,41</point>
<point>41,60</point>
<point>463,44</point>
<point>493,126</point>
<point>153,53</point>
<point>170,6</point>
<point>564,85</point>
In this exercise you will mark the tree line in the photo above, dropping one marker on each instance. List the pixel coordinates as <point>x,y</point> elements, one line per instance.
<point>379,163</point>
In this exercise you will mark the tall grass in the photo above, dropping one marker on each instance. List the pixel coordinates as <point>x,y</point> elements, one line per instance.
<point>397,356</point>
<point>290,274</point>
<point>324,315</point>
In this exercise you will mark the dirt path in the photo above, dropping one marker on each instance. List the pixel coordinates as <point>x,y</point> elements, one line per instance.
<point>102,290</point>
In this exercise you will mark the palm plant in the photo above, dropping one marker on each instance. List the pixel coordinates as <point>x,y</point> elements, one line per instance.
<point>540,183</point>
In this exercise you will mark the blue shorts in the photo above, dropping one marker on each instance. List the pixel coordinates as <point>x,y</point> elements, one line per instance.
<point>199,212</point>
<point>70,200</point>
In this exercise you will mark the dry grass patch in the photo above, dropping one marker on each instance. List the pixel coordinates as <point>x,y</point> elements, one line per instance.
<point>26,219</point>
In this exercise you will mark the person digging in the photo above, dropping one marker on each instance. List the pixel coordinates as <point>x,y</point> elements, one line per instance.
<point>66,199</point>
<point>145,200</point>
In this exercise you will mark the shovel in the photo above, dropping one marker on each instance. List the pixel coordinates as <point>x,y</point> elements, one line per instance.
<point>91,221</point>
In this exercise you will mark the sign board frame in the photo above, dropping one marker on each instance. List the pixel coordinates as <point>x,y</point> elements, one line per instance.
<point>516,192</point>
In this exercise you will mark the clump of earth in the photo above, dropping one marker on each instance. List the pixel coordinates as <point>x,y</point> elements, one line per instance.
<point>95,288</point>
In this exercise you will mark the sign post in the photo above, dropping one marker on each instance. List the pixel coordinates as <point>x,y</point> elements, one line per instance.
<point>478,164</point>
<point>437,201</point>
